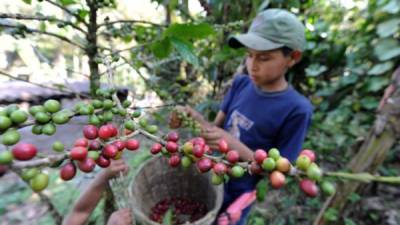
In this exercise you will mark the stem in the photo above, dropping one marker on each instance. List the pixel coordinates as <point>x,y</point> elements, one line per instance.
<point>364,177</point>
<point>131,21</point>
<point>163,142</point>
<point>39,162</point>
<point>92,48</point>
<point>206,6</point>
<point>39,85</point>
<point>58,218</point>
<point>148,83</point>
<point>40,18</point>
<point>67,11</point>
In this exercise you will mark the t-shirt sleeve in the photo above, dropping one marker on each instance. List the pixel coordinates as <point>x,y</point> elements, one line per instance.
<point>292,134</point>
<point>230,94</point>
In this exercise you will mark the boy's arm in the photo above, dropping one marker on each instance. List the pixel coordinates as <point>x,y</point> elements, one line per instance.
<point>87,202</point>
<point>212,135</point>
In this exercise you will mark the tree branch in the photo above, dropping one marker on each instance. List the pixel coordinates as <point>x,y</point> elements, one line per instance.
<point>67,11</point>
<point>112,51</point>
<point>39,162</point>
<point>130,21</point>
<point>30,30</point>
<point>39,85</point>
<point>205,6</point>
<point>58,218</point>
<point>40,18</point>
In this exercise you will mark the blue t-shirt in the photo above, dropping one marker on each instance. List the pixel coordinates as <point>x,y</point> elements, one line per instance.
<point>264,120</point>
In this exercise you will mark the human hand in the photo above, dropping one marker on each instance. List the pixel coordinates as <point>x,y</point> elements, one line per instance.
<point>115,168</point>
<point>193,114</point>
<point>120,217</point>
<point>212,136</point>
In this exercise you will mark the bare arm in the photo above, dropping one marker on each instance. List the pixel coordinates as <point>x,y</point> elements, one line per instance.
<point>88,201</point>
<point>213,135</point>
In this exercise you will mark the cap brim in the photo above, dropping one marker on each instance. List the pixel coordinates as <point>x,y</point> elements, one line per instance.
<point>252,41</point>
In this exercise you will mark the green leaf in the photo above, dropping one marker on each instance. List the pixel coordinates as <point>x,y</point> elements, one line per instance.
<point>27,1</point>
<point>83,13</point>
<point>185,49</point>
<point>388,28</point>
<point>42,26</point>
<point>381,68</point>
<point>294,4</point>
<point>350,79</point>
<point>189,31</point>
<point>331,214</point>
<point>263,6</point>
<point>315,70</point>
<point>387,49</point>
<point>261,190</point>
<point>348,221</point>
<point>392,7</point>
<point>162,48</point>
<point>376,83</point>
<point>67,2</point>
<point>167,220</point>
<point>354,197</point>
<point>369,103</point>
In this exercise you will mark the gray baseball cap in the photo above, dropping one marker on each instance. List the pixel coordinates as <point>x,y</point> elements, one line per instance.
<point>272,29</point>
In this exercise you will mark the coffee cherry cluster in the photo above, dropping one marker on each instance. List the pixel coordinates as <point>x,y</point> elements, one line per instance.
<point>270,164</point>
<point>182,119</point>
<point>312,175</point>
<point>103,108</point>
<point>103,141</point>
<point>98,146</point>
<point>183,210</point>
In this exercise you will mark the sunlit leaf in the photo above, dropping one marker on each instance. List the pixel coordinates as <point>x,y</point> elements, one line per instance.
<point>162,48</point>
<point>392,7</point>
<point>67,2</point>
<point>261,188</point>
<point>387,49</point>
<point>263,5</point>
<point>369,103</point>
<point>185,49</point>
<point>314,70</point>
<point>381,68</point>
<point>190,31</point>
<point>167,219</point>
<point>388,28</point>
<point>83,13</point>
<point>376,83</point>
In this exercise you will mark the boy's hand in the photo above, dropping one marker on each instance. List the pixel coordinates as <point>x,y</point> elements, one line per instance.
<point>114,169</point>
<point>212,135</point>
<point>194,115</point>
<point>120,217</point>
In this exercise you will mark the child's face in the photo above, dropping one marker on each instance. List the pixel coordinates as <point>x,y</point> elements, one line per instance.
<point>267,68</point>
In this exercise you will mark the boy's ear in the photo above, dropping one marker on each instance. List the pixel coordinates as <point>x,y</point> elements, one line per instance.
<point>295,56</point>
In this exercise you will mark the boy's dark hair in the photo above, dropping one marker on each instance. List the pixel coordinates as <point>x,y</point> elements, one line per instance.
<point>286,51</point>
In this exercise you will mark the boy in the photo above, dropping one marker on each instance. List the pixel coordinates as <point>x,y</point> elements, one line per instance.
<point>261,110</point>
<point>87,202</point>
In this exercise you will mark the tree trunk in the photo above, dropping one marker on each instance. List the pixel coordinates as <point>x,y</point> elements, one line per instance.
<point>383,134</point>
<point>92,48</point>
